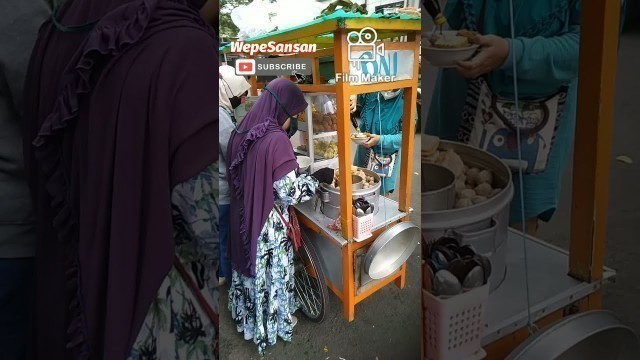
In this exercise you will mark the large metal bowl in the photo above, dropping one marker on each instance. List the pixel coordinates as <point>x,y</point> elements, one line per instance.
<point>592,335</point>
<point>391,249</point>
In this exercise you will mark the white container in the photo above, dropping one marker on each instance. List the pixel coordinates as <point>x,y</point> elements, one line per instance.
<point>446,58</point>
<point>362,227</point>
<point>453,327</point>
<point>359,140</point>
<point>303,163</point>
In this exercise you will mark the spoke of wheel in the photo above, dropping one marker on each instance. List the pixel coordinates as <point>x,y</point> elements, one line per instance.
<point>309,298</point>
<point>310,301</point>
<point>314,289</point>
<point>299,290</point>
<point>313,293</point>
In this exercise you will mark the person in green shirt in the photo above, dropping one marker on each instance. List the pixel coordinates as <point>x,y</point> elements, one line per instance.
<point>381,119</point>
<point>546,54</point>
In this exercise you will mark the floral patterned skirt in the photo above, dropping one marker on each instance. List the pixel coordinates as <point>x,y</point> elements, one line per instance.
<point>176,326</point>
<point>262,306</point>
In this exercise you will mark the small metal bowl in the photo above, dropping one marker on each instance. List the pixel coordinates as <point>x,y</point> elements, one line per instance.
<point>438,187</point>
<point>357,182</point>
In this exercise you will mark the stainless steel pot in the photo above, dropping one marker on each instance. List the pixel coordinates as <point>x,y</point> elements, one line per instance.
<point>330,211</point>
<point>484,225</point>
<point>331,196</point>
<point>438,187</point>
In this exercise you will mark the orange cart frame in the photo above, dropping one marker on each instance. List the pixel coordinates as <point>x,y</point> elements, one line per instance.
<point>337,46</point>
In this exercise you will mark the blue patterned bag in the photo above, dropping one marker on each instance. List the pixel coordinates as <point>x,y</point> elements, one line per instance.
<point>489,122</point>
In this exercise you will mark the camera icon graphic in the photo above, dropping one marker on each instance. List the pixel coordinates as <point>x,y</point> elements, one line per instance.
<point>364,42</point>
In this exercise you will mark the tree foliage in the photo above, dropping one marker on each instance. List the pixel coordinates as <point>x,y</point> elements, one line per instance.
<point>227,28</point>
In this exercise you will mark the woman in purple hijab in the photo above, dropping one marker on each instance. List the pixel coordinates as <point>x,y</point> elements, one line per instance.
<point>120,146</point>
<point>264,183</point>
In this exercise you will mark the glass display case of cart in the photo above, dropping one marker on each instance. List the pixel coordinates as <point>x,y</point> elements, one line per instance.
<point>319,124</point>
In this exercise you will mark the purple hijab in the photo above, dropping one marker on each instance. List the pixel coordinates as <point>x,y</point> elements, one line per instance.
<point>107,151</point>
<point>260,154</point>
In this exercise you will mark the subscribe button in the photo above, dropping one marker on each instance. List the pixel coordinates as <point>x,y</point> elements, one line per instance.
<point>273,67</point>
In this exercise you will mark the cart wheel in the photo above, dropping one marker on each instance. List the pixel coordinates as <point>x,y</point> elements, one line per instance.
<point>310,287</point>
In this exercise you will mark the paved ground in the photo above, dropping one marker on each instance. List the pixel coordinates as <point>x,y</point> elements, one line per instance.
<point>386,324</point>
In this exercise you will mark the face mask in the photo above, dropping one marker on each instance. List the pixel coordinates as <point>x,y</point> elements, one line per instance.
<point>390,94</point>
<point>235,101</point>
<point>293,126</point>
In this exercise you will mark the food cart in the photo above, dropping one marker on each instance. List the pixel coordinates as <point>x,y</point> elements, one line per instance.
<point>562,283</point>
<point>343,259</point>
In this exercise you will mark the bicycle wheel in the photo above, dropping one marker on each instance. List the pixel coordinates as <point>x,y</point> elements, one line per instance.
<point>310,287</point>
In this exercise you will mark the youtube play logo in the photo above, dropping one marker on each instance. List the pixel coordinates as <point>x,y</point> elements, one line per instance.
<point>245,67</point>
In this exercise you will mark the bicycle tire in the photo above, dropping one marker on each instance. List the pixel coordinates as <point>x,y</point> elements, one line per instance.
<point>307,251</point>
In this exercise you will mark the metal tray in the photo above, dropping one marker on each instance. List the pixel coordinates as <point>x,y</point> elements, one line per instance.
<point>592,335</point>
<point>391,249</point>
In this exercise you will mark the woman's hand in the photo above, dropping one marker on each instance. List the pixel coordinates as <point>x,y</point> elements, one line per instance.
<point>353,102</point>
<point>373,140</point>
<point>494,50</point>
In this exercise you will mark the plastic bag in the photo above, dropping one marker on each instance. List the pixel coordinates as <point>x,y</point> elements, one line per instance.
<point>262,16</point>
<point>291,13</point>
<point>253,19</point>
